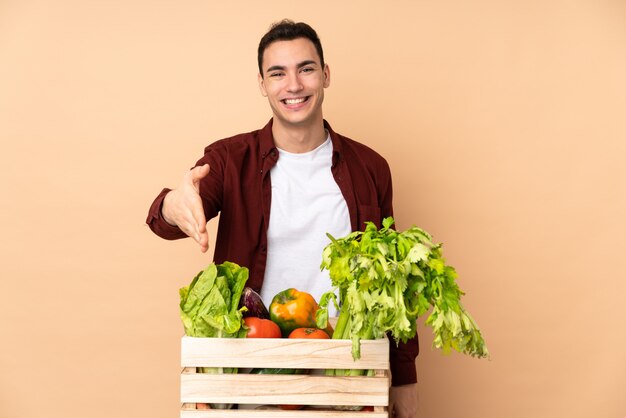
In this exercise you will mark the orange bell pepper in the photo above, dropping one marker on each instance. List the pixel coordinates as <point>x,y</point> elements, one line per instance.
<point>292,309</point>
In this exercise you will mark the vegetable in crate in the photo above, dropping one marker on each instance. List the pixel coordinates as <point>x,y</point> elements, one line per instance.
<point>261,328</point>
<point>309,333</point>
<point>386,280</point>
<point>254,304</point>
<point>292,309</point>
<point>209,307</point>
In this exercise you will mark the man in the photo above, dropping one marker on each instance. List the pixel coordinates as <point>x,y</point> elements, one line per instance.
<point>280,189</point>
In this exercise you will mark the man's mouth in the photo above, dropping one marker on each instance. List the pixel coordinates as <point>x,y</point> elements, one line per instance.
<point>295,100</point>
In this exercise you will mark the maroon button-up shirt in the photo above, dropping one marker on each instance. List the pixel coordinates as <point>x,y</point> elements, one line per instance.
<point>238,188</point>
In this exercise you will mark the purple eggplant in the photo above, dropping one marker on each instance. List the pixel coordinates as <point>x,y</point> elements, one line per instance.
<point>252,300</point>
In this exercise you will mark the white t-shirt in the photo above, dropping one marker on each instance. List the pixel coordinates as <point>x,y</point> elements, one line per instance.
<point>306,204</point>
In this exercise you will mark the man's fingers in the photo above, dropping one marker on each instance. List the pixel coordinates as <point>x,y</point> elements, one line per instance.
<point>197,212</point>
<point>202,238</point>
<point>204,242</point>
<point>199,225</point>
<point>183,207</point>
<point>197,232</point>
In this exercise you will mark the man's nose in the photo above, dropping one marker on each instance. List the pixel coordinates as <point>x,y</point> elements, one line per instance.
<point>293,83</point>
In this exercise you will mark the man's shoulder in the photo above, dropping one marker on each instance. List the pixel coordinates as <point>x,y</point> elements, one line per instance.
<point>351,147</point>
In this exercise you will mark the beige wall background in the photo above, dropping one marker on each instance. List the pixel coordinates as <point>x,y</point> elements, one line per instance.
<point>504,123</point>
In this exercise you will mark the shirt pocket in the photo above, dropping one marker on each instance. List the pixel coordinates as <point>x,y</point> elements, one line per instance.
<point>368,214</point>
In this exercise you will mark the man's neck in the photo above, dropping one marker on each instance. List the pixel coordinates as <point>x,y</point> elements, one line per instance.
<point>298,139</point>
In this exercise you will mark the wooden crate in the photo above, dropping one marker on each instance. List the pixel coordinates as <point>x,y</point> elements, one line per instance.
<point>317,391</point>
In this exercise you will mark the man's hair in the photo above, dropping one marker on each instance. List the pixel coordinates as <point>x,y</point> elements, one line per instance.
<point>288,30</point>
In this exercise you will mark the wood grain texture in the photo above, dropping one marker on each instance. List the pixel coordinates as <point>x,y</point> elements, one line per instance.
<point>319,392</point>
<point>284,389</point>
<point>276,413</point>
<point>284,353</point>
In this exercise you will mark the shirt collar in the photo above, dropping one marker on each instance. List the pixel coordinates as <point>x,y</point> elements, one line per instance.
<point>267,141</point>
<point>337,143</point>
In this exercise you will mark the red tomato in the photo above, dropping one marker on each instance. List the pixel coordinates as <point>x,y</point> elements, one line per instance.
<point>313,333</point>
<point>261,328</point>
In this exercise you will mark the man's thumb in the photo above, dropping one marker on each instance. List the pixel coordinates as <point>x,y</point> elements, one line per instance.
<point>200,171</point>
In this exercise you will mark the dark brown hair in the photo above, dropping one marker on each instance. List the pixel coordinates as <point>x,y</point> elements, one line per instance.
<point>288,30</point>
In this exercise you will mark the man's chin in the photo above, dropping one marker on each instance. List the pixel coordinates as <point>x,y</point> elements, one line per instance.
<point>296,122</point>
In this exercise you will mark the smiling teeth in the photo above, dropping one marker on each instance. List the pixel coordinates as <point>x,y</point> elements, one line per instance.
<point>294,101</point>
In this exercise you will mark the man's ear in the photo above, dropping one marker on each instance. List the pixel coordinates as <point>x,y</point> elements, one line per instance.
<point>326,75</point>
<point>262,85</point>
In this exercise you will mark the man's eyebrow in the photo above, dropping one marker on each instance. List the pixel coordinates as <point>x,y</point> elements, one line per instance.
<point>275,68</point>
<point>282,67</point>
<point>305,63</point>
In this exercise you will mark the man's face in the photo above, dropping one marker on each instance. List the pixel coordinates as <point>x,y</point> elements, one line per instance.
<point>294,81</point>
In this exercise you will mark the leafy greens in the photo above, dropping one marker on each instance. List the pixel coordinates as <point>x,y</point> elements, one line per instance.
<point>209,305</point>
<point>209,308</point>
<point>386,280</point>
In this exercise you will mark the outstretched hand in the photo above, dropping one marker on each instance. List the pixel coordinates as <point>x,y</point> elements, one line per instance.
<point>182,207</point>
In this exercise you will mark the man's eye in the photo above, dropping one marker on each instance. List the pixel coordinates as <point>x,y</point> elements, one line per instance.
<point>307,69</point>
<point>276,74</point>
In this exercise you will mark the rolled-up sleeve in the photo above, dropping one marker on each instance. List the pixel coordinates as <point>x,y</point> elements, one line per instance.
<point>157,223</point>
<point>402,361</point>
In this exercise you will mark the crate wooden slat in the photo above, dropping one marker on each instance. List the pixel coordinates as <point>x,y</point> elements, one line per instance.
<point>284,389</point>
<point>277,413</point>
<point>282,353</point>
<point>316,390</point>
